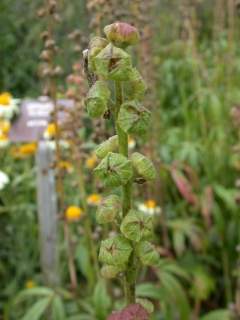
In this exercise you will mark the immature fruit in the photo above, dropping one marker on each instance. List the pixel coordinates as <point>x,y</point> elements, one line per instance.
<point>109,209</point>
<point>143,166</point>
<point>110,272</point>
<point>95,46</point>
<point>137,226</point>
<point>147,253</point>
<point>136,87</point>
<point>113,63</point>
<point>133,118</point>
<point>110,145</point>
<point>114,170</point>
<point>97,99</point>
<point>122,34</point>
<point>115,251</point>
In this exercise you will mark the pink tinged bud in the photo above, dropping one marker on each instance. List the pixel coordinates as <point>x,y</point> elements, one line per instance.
<point>122,34</point>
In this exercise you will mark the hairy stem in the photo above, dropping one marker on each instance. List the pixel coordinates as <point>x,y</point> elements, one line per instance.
<point>130,276</point>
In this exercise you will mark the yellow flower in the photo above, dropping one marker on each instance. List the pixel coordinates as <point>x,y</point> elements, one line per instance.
<point>4,126</point>
<point>65,165</point>
<point>150,204</point>
<point>149,207</point>
<point>30,284</point>
<point>50,131</point>
<point>91,162</point>
<point>73,213</point>
<point>25,150</point>
<point>131,143</point>
<point>5,98</point>
<point>4,141</point>
<point>94,199</point>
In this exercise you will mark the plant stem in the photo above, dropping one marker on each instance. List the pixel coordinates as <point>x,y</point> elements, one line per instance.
<point>130,276</point>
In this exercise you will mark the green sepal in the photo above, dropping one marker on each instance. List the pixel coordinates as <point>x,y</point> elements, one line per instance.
<point>147,254</point>
<point>137,226</point>
<point>95,46</point>
<point>143,166</point>
<point>114,170</point>
<point>97,99</point>
<point>109,145</point>
<point>133,118</point>
<point>113,63</point>
<point>109,209</point>
<point>136,87</point>
<point>115,251</point>
<point>110,272</point>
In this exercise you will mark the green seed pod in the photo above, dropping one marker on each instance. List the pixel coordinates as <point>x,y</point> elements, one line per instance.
<point>114,170</point>
<point>143,166</point>
<point>137,226</point>
<point>136,87</point>
<point>133,118</point>
<point>95,46</point>
<point>109,209</point>
<point>147,253</point>
<point>110,272</point>
<point>115,251</point>
<point>113,63</point>
<point>122,34</point>
<point>110,145</point>
<point>97,99</point>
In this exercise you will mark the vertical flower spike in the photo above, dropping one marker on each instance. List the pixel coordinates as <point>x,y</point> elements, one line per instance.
<point>113,66</point>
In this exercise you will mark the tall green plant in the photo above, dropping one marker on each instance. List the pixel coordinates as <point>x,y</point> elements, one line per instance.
<point>117,92</point>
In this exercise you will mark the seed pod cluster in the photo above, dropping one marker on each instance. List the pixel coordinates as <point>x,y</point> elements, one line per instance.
<point>112,66</point>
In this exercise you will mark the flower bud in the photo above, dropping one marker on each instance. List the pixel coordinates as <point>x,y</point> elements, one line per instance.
<point>147,253</point>
<point>95,46</point>
<point>143,166</point>
<point>133,118</point>
<point>110,272</point>
<point>109,209</point>
<point>113,63</point>
<point>137,226</point>
<point>107,146</point>
<point>97,99</point>
<point>122,34</point>
<point>115,251</point>
<point>114,170</point>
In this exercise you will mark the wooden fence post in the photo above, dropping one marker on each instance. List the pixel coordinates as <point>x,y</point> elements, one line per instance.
<point>47,214</point>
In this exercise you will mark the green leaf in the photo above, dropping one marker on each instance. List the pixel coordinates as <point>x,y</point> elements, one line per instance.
<point>148,290</point>
<point>33,292</point>
<point>101,300</point>
<point>58,311</point>
<point>38,309</point>
<point>84,261</point>
<point>217,315</point>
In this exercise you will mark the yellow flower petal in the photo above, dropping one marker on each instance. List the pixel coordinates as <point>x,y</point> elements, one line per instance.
<point>94,199</point>
<point>73,213</point>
